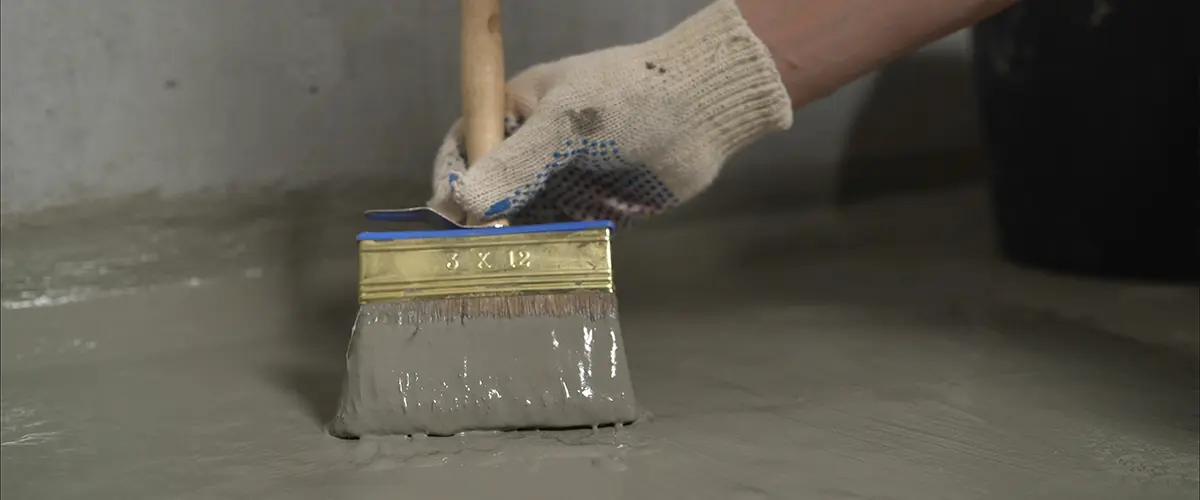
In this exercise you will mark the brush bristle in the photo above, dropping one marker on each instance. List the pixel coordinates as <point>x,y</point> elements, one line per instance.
<point>590,305</point>
<point>485,363</point>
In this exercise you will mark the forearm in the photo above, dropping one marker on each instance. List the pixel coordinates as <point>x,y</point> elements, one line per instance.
<point>820,45</point>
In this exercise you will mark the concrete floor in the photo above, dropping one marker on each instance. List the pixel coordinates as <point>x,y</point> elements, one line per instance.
<point>879,352</point>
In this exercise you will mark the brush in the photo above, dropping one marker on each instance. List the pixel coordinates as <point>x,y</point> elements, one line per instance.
<point>493,327</point>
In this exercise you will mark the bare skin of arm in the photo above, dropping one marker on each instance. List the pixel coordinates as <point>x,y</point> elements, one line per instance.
<point>821,45</point>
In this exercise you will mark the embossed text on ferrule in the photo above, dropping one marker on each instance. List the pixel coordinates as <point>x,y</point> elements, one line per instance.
<point>491,259</point>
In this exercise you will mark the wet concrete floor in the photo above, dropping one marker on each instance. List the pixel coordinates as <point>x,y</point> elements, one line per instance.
<point>881,352</point>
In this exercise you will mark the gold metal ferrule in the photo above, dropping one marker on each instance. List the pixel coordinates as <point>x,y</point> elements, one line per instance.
<point>510,264</point>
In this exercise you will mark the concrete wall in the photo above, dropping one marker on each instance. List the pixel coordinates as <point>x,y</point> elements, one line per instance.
<point>109,98</point>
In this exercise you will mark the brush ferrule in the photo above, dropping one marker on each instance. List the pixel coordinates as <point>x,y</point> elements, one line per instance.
<point>485,265</point>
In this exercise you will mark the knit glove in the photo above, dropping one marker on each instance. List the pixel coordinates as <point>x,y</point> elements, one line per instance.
<point>622,133</point>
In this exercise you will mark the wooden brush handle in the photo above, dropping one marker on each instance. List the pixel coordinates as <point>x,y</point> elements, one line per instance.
<point>482,77</point>
<point>482,81</point>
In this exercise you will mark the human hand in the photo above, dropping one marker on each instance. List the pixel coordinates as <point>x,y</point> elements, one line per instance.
<point>621,133</point>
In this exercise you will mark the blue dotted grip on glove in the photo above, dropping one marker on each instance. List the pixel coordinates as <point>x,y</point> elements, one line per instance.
<point>589,178</point>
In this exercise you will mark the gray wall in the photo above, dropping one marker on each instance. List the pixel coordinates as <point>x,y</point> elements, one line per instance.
<point>104,99</point>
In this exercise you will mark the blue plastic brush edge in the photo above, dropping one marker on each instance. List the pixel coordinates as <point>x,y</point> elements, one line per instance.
<point>556,227</point>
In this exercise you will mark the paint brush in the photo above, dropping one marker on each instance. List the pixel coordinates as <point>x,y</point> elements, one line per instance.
<point>484,327</point>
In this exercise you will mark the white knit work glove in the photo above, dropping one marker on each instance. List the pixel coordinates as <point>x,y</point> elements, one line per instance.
<point>622,133</point>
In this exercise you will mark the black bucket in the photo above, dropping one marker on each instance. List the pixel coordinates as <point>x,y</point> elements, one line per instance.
<point>1090,113</point>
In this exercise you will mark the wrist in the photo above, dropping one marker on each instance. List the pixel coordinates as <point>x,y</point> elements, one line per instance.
<point>723,75</point>
<point>766,22</point>
<point>820,45</point>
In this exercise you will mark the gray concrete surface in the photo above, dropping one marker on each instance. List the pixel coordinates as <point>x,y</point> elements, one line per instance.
<point>114,98</point>
<point>879,350</point>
